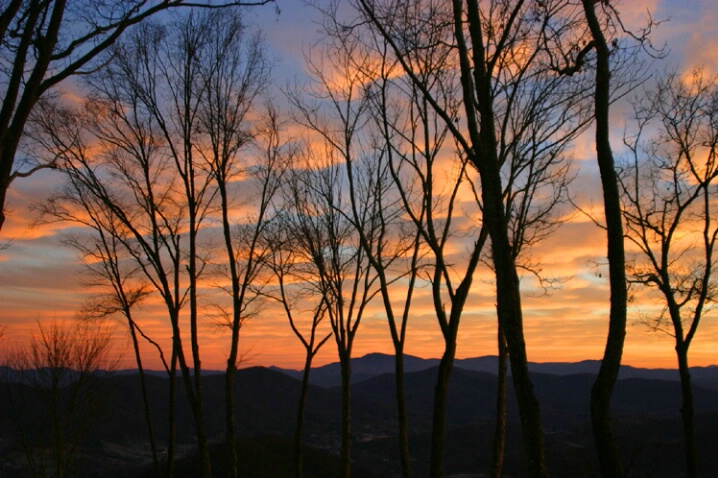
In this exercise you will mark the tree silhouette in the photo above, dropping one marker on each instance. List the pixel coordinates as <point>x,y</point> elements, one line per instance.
<point>501,53</point>
<point>293,293</point>
<point>45,42</point>
<point>668,193</point>
<point>63,367</point>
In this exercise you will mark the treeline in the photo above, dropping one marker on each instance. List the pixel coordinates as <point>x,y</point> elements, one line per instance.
<point>433,139</point>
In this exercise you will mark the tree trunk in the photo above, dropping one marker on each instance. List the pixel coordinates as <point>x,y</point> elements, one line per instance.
<point>508,297</point>
<point>602,389</point>
<point>7,156</point>
<point>196,398</point>
<point>231,372</point>
<point>344,360</point>
<point>402,412</point>
<point>231,418</point>
<point>441,406</point>
<point>202,440</point>
<point>145,400</point>
<point>529,409</point>
<point>687,412</point>
<point>497,462</point>
<point>172,440</point>
<point>476,81</point>
<point>13,124</point>
<point>299,432</point>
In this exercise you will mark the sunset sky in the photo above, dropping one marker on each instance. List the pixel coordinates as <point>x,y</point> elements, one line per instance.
<point>41,280</point>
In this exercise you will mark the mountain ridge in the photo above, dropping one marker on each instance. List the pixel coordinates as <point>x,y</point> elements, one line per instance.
<point>646,412</point>
<point>374,364</point>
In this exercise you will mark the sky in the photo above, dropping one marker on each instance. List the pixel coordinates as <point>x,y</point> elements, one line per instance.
<point>42,280</point>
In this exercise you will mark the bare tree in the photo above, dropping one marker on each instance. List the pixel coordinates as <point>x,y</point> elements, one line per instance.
<point>499,49</point>
<point>173,138</point>
<point>293,293</point>
<point>63,367</point>
<point>610,365</point>
<point>122,185</point>
<point>45,42</point>
<point>394,251</point>
<point>341,96</point>
<point>335,265</point>
<point>415,140</point>
<point>111,270</point>
<point>234,71</point>
<point>539,114</point>
<point>395,246</point>
<point>668,193</point>
<point>606,75</point>
<point>144,115</point>
<point>168,94</point>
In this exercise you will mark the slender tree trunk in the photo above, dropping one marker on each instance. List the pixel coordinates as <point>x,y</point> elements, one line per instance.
<point>497,462</point>
<point>193,388</point>
<point>476,81</point>
<point>402,412</point>
<point>441,406</point>
<point>7,156</point>
<point>602,390</point>
<point>145,400</point>
<point>202,440</point>
<point>172,411</point>
<point>529,409</point>
<point>231,441</point>
<point>450,329</point>
<point>687,412</point>
<point>299,432</point>
<point>198,402</point>
<point>231,420</point>
<point>346,415</point>
<point>13,125</point>
<point>509,298</point>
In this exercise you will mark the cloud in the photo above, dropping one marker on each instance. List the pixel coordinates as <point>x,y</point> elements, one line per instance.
<point>688,33</point>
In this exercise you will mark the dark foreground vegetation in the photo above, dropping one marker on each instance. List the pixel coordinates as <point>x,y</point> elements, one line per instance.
<point>430,149</point>
<point>646,404</point>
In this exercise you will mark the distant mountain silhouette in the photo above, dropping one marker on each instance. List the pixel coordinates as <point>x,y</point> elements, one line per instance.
<point>363,368</point>
<point>374,364</point>
<point>646,418</point>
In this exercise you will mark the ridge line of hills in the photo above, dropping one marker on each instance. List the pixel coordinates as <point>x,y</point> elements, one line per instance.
<point>646,414</point>
<point>374,364</point>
